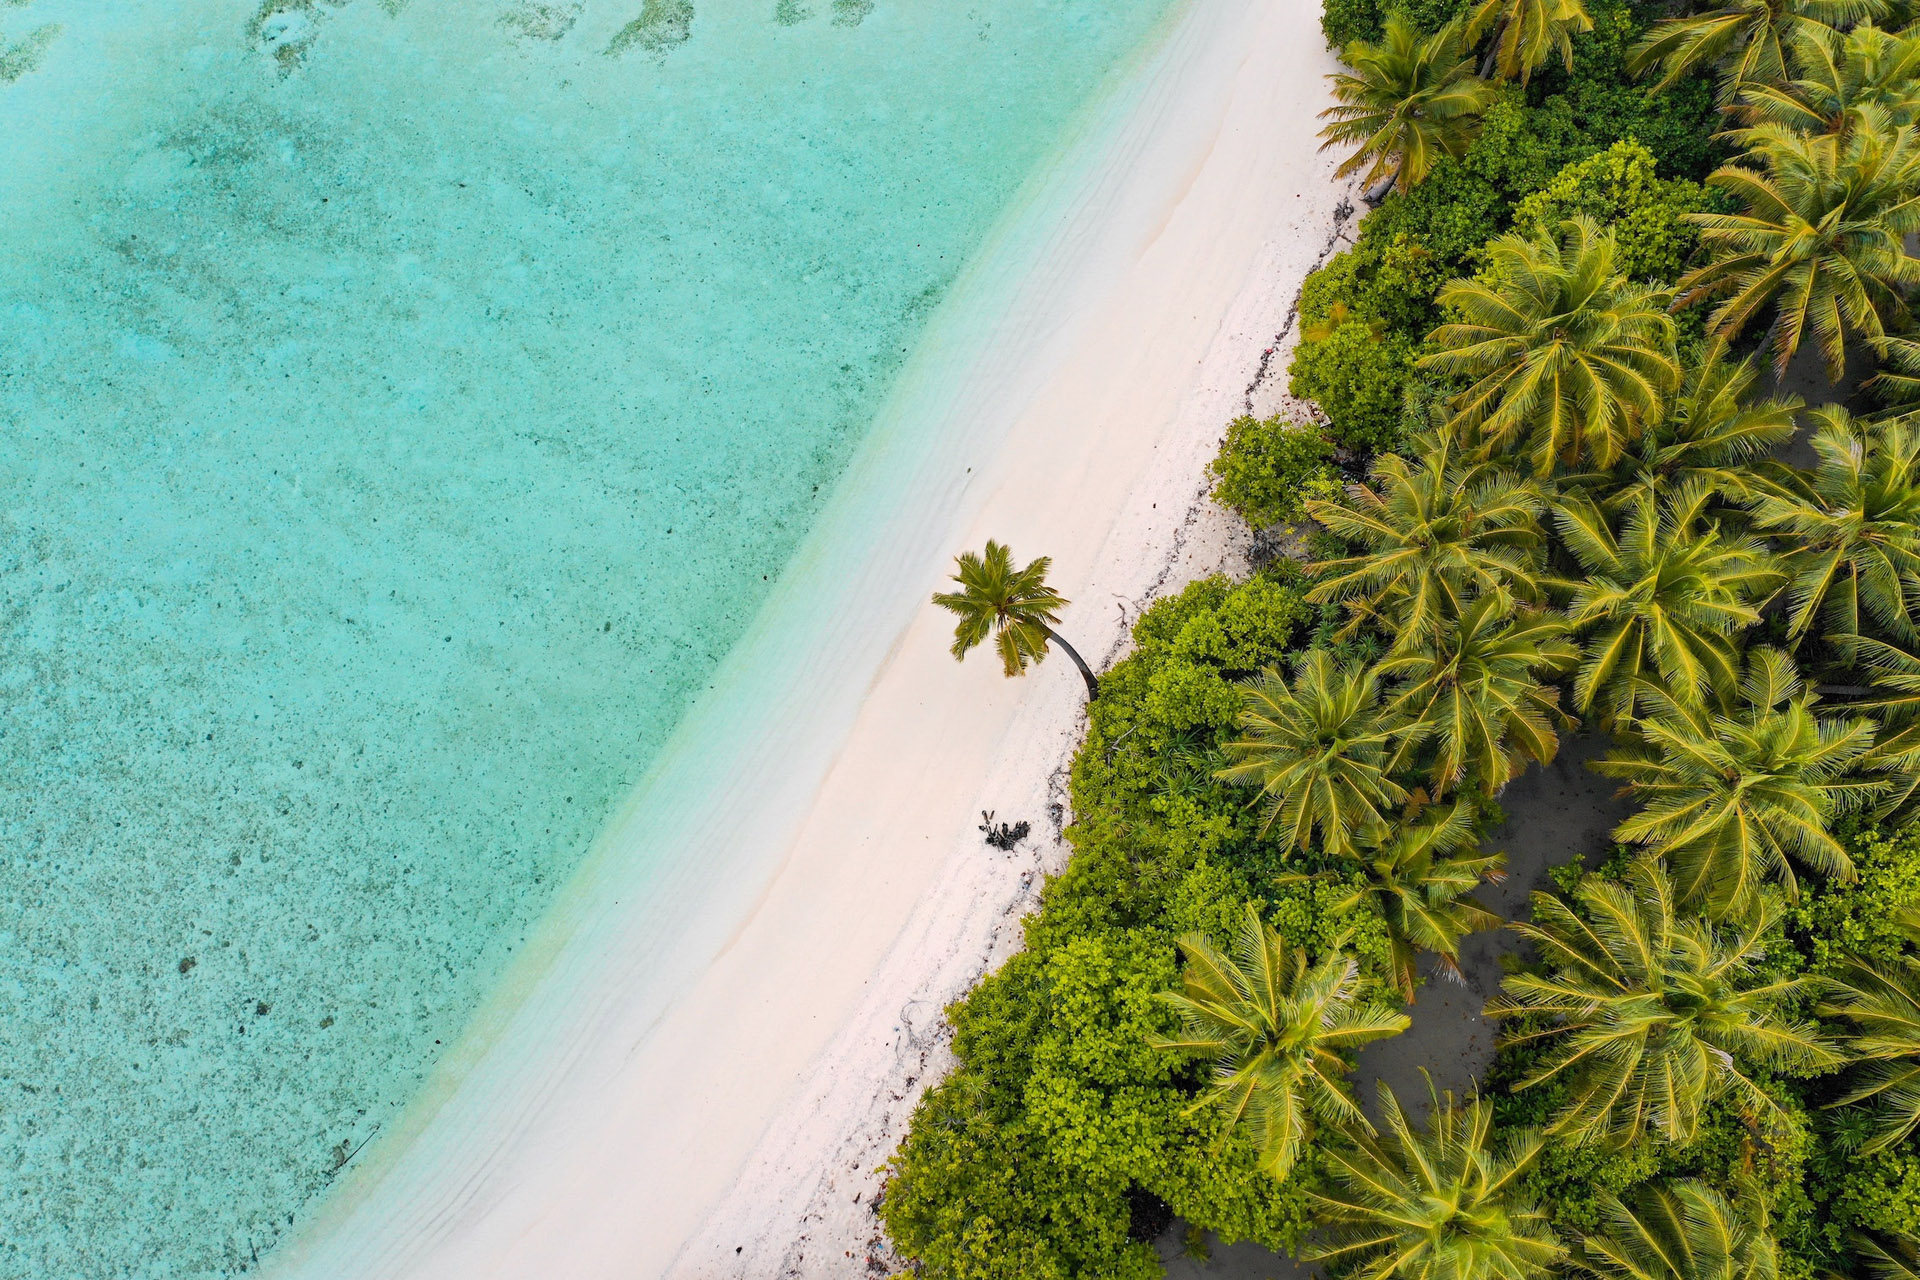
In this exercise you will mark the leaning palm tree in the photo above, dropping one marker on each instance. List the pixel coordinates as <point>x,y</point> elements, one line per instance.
<point>1474,692</point>
<point>1883,1001</point>
<point>1279,1030</point>
<point>1821,239</point>
<point>1417,876</point>
<point>1713,434</point>
<point>1015,606</point>
<point>1745,39</point>
<point>1664,596</point>
<point>1855,534</point>
<point>1436,530</point>
<point>1834,74</point>
<point>1318,751</point>
<point>1443,1204</point>
<point>1403,103</point>
<point>1527,33</point>
<point>1685,1230</point>
<point>1648,1014</point>
<point>1734,800</point>
<point>1565,353</point>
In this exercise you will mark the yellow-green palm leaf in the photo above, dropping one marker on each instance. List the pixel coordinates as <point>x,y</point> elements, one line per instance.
<point>1649,1015</point>
<point>1317,748</point>
<point>1686,1230</point>
<point>1528,32</point>
<point>1821,237</point>
<point>1437,530</point>
<point>1418,875</point>
<point>1746,40</point>
<point>1442,1203</point>
<point>1834,75</point>
<point>1472,698</point>
<point>1735,800</point>
<point>1404,103</point>
<point>1882,1000</point>
<point>1663,596</point>
<point>1854,533</point>
<point>1569,359</point>
<point>1280,1031</point>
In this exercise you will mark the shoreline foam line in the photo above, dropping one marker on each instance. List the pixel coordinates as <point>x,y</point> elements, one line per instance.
<point>735,916</point>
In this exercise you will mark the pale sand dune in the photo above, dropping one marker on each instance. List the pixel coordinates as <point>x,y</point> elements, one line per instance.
<point>718,1034</point>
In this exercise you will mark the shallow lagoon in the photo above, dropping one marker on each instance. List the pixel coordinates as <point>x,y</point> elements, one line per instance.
<point>404,407</point>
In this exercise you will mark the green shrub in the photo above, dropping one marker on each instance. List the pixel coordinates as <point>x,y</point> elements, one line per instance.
<point>1618,187</point>
<point>1021,1164</point>
<point>1357,379</point>
<point>1344,21</point>
<point>1833,921</point>
<point>1269,467</point>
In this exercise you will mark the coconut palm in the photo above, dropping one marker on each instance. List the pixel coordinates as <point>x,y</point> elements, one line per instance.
<point>1565,353</point>
<point>1279,1030</point>
<point>1834,74</point>
<point>1685,1230</point>
<point>1745,39</point>
<point>1527,33</point>
<point>1473,692</point>
<point>1015,606</point>
<point>1712,434</point>
<point>1318,751</point>
<point>1883,1001</point>
<point>1663,596</point>
<point>1821,239</point>
<point>1732,800</point>
<point>1437,530</point>
<point>1418,875</point>
<point>1404,102</point>
<point>1440,1204</point>
<point>1854,536</point>
<point>1648,1015</point>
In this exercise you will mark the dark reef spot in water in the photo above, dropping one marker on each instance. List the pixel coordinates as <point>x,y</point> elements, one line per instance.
<point>531,20</point>
<point>789,13</point>
<point>24,54</point>
<point>326,1022</point>
<point>851,13</point>
<point>662,25</point>
<point>260,1008</point>
<point>188,964</point>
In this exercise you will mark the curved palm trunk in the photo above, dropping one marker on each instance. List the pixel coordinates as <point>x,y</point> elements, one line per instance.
<point>1086,672</point>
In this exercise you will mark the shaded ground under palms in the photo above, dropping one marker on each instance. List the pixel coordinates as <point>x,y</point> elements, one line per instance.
<point>1555,815</point>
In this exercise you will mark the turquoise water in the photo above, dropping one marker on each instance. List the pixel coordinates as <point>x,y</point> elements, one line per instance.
<point>403,406</point>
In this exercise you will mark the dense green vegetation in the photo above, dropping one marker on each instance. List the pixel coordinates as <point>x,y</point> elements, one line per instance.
<point>1541,369</point>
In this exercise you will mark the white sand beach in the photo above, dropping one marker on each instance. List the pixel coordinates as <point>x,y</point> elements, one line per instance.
<point>717,1036</point>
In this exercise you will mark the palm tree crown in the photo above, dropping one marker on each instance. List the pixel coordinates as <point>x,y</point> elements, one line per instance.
<point>1528,32</point>
<point>1317,749</point>
<point>1444,1204</point>
<point>1683,1231</point>
<point>1855,535</point>
<point>1015,606</point>
<point>1836,73</point>
<point>1564,351</point>
<point>1746,39</point>
<point>1473,691</point>
<point>1711,435</point>
<point>1733,800</point>
<point>1649,1015</point>
<point>1404,102</point>
<point>1883,1001</point>
<point>1822,237</point>
<point>1419,874</point>
<point>1438,530</point>
<point>1278,1029</point>
<point>1664,596</point>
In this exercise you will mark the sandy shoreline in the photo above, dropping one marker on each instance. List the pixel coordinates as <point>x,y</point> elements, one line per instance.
<point>700,1060</point>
